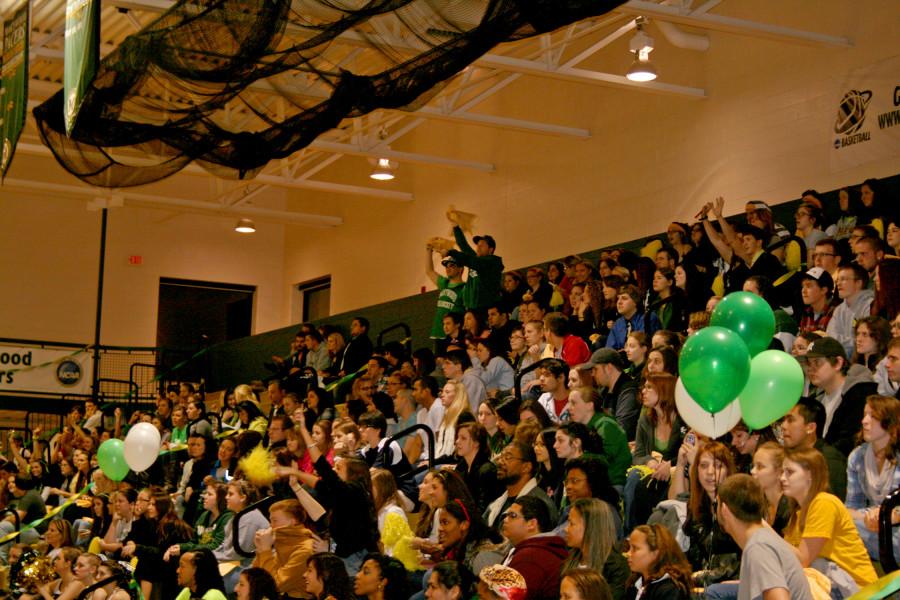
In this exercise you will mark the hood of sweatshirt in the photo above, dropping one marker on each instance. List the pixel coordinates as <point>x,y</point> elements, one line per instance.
<point>551,545</point>
<point>856,374</point>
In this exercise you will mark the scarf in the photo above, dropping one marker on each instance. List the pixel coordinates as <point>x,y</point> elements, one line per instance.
<point>877,485</point>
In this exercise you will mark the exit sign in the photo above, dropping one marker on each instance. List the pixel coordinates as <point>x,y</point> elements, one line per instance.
<point>135,259</point>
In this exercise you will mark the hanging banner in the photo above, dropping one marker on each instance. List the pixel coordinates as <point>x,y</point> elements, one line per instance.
<point>13,83</point>
<point>82,55</point>
<point>866,127</point>
<point>46,370</point>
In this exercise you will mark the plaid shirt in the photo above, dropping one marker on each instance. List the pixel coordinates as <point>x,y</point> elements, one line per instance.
<point>810,322</point>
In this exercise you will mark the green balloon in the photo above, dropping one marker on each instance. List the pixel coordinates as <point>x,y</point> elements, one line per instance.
<point>774,386</point>
<point>749,316</point>
<point>714,366</point>
<point>111,458</point>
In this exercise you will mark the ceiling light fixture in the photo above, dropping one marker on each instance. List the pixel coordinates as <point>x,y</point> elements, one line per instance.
<point>641,46</point>
<point>245,226</point>
<point>384,169</point>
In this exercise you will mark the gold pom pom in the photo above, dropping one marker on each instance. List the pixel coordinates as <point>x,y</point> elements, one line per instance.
<point>36,571</point>
<point>257,467</point>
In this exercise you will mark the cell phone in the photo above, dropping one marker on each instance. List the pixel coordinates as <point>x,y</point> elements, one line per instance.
<point>691,439</point>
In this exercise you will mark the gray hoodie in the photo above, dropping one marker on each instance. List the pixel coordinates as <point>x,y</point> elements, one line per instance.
<point>840,327</point>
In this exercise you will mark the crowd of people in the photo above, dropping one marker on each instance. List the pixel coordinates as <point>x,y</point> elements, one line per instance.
<point>534,451</point>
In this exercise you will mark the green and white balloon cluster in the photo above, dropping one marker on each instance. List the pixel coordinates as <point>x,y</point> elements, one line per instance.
<point>727,374</point>
<point>139,450</point>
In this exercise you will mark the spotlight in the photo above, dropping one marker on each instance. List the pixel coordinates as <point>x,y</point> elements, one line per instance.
<point>384,169</point>
<point>245,226</point>
<point>641,46</point>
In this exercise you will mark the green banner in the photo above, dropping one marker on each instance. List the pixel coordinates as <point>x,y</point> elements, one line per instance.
<point>13,83</point>
<point>82,55</point>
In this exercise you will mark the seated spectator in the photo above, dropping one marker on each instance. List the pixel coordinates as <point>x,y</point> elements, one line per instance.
<point>209,529</point>
<point>872,337</point>
<point>326,577</point>
<point>869,253</point>
<point>465,538</point>
<point>501,328</point>
<point>487,418</point>
<point>817,290</point>
<point>575,439</point>
<point>822,529</point>
<point>497,374</point>
<point>239,496</point>
<point>380,454</point>
<point>769,565</point>
<point>843,389</point>
<point>570,348</point>
<point>553,377</point>
<point>452,324</point>
<point>620,398</point>
<point>458,368</point>
<point>584,584</point>
<point>588,477</point>
<point>516,469</point>
<point>591,536</point>
<point>712,553</point>
<point>455,401</point>
<point>198,574</point>
<point>539,290</point>
<point>550,471</point>
<point>584,408</point>
<point>255,584</point>
<point>856,303</point>
<point>29,505</point>
<point>670,305</point>
<point>448,582</point>
<point>117,586</point>
<point>319,405</point>
<point>511,293</point>
<point>658,566</point>
<point>123,517</point>
<point>631,318</point>
<point>474,464</point>
<point>251,418</point>
<point>535,349</point>
<point>69,585</point>
<point>767,467</point>
<point>535,553</point>
<point>346,489</point>
<point>283,549</point>
<point>800,429</point>
<point>660,433</point>
<point>745,442</point>
<point>346,439</point>
<point>662,359</point>
<point>873,471</point>
<point>636,348</point>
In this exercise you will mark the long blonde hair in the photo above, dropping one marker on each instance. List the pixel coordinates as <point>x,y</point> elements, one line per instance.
<point>459,405</point>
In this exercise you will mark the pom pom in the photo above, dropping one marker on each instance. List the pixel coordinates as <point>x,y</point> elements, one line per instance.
<point>257,467</point>
<point>396,538</point>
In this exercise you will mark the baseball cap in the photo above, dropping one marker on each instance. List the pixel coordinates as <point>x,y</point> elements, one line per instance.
<point>488,239</point>
<point>449,261</point>
<point>820,276</point>
<point>604,356</point>
<point>826,347</point>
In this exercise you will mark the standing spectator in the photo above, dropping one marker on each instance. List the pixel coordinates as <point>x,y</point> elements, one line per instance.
<point>482,287</point>
<point>449,290</point>
<point>358,349</point>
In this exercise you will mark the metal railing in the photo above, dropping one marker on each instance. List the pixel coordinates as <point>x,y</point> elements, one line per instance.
<point>407,336</point>
<point>886,532</point>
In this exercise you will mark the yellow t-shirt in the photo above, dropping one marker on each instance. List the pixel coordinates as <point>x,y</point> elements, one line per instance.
<point>828,518</point>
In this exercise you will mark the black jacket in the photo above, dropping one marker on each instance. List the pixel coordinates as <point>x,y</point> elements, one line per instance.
<point>847,419</point>
<point>353,524</point>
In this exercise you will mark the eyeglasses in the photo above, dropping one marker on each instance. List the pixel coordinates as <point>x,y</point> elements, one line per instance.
<point>574,480</point>
<point>507,457</point>
<point>511,515</point>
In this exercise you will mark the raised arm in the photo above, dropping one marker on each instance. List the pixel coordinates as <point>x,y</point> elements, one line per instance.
<point>429,265</point>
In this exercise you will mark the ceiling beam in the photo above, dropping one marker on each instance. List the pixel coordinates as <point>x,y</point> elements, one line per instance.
<point>281,182</point>
<point>704,20</point>
<point>182,204</point>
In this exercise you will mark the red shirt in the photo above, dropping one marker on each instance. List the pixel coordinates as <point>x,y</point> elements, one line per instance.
<point>574,351</point>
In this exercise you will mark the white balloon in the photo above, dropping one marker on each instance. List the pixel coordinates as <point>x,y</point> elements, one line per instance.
<point>142,446</point>
<point>701,420</point>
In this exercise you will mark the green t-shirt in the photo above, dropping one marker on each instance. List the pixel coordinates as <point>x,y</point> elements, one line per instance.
<point>449,300</point>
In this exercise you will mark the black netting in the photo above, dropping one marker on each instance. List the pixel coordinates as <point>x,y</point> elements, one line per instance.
<point>233,84</point>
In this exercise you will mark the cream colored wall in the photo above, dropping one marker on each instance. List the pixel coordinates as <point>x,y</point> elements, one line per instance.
<point>762,133</point>
<point>49,249</point>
